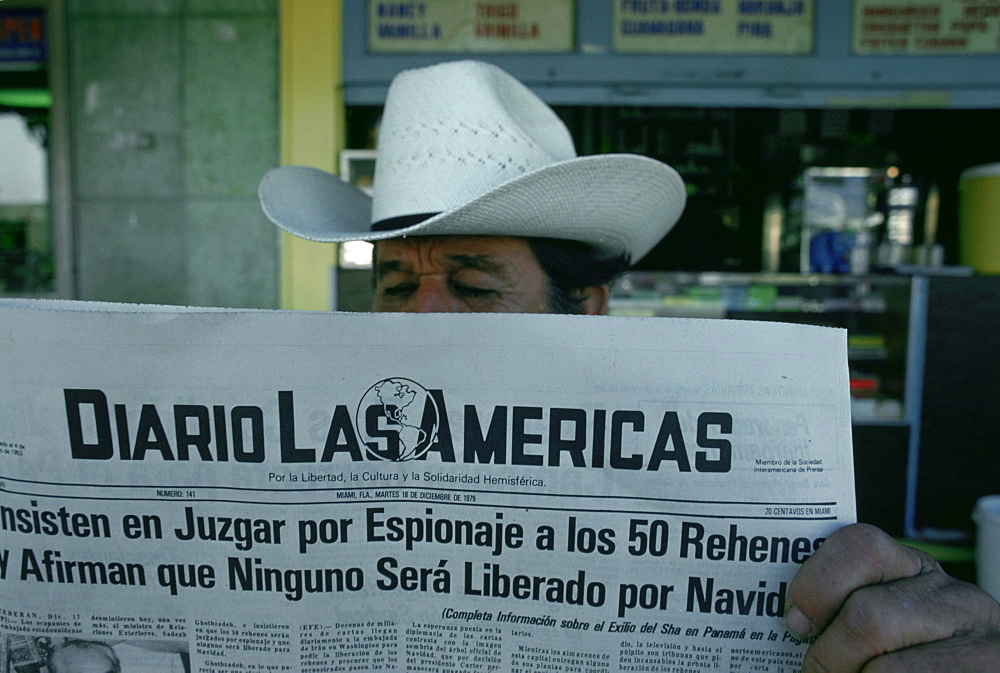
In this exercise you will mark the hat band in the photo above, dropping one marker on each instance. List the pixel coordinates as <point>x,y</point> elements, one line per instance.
<point>401,222</point>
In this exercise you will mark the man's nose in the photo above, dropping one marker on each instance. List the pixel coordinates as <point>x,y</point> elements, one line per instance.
<point>434,297</point>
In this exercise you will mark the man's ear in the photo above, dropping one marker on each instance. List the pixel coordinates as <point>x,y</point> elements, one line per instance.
<point>595,299</point>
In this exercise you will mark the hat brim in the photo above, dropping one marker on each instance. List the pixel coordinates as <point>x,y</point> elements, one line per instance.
<point>621,203</point>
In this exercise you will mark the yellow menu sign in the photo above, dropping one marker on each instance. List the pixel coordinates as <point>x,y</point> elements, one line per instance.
<point>713,26</point>
<point>921,27</point>
<point>470,26</point>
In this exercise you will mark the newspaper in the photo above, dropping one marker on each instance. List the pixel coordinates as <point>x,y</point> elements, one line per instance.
<point>220,490</point>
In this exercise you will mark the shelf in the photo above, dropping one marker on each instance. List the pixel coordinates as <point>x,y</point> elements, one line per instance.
<point>880,423</point>
<point>774,296</point>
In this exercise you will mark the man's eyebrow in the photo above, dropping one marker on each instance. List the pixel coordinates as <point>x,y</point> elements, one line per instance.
<point>388,266</point>
<point>462,261</point>
<point>478,263</point>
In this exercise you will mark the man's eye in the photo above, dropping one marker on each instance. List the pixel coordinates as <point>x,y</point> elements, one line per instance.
<point>399,290</point>
<point>473,292</point>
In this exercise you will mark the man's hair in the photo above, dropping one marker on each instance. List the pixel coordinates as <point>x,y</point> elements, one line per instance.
<point>572,266</point>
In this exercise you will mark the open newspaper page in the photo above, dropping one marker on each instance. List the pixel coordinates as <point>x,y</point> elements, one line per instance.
<point>208,490</point>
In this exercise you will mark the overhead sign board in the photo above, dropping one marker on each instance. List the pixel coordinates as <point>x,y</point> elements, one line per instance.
<point>713,26</point>
<point>922,27</point>
<point>470,26</point>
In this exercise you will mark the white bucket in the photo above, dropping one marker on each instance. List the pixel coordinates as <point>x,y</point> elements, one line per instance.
<point>987,518</point>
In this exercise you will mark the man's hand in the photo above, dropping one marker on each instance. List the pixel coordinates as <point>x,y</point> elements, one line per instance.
<point>878,606</point>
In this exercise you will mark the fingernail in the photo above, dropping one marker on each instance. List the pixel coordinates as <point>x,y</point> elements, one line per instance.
<point>797,622</point>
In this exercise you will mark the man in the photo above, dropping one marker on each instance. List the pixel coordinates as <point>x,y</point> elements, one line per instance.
<point>452,274</point>
<point>91,656</point>
<point>83,656</point>
<point>481,204</point>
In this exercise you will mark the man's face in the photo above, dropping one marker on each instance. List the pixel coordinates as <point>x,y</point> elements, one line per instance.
<point>82,660</point>
<point>459,274</point>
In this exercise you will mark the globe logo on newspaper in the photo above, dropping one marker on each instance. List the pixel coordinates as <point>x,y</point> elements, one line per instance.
<point>397,420</point>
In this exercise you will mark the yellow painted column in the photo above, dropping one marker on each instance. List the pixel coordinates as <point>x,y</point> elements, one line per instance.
<point>312,133</point>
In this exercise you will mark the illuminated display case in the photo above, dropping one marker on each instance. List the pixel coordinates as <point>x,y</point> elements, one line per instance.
<point>886,321</point>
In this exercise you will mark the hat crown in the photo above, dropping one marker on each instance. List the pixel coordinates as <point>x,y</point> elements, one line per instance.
<point>453,132</point>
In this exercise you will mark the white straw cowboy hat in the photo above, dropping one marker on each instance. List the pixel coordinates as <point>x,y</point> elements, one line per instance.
<point>466,149</point>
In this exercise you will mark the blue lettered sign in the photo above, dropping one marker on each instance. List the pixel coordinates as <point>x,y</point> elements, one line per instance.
<point>22,37</point>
